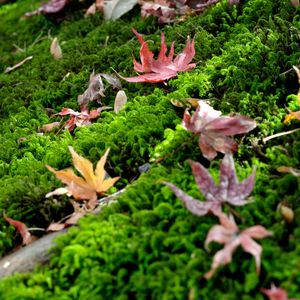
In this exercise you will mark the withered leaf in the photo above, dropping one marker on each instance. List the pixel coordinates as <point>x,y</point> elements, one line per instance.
<point>214,130</point>
<point>83,118</point>
<point>120,101</point>
<point>92,183</point>
<point>96,88</point>
<point>49,127</point>
<point>55,49</point>
<point>229,234</point>
<point>114,9</point>
<point>51,7</point>
<point>276,293</point>
<point>27,238</point>
<point>229,189</point>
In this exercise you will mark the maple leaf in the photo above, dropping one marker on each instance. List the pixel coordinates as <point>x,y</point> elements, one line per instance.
<point>82,118</point>
<point>96,88</point>
<point>51,7</point>
<point>229,234</point>
<point>27,238</point>
<point>165,10</point>
<point>88,186</point>
<point>228,191</point>
<point>168,10</point>
<point>276,293</point>
<point>215,130</point>
<point>164,67</point>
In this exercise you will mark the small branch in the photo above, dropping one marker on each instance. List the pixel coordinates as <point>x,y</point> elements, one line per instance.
<point>9,69</point>
<point>279,134</point>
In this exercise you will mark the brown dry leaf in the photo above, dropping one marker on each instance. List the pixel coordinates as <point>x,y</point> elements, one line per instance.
<point>98,6</point>
<point>27,238</point>
<point>120,101</point>
<point>285,169</point>
<point>55,49</point>
<point>92,183</point>
<point>295,3</point>
<point>96,88</point>
<point>286,212</point>
<point>186,102</point>
<point>49,127</point>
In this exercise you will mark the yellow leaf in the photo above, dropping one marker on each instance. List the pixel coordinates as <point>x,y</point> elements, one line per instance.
<point>91,184</point>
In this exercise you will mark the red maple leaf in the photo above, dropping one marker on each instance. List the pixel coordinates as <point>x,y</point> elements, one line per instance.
<point>215,130</point>
<point>228,191</point>
<point>82,118</point>
<point>27,238</point>
<point>229,234</point>
<point>164,67</point>
<point>276,293</point>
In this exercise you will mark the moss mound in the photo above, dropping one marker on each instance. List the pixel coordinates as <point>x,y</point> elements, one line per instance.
<point>147,245</point>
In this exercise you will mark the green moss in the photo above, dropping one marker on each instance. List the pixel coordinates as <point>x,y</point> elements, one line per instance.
<point>147,245</point>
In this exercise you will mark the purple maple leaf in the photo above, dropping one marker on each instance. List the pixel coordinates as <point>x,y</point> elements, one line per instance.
<point>51,7</point>
<point>229,234</point>
<point>228,191</point>
<point>215,130</point>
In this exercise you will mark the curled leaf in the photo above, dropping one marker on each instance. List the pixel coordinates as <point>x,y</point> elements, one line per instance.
<point>51,7</point>
<point>114,9</point>
<point>55,49</point>
<point>120,101</point>
<point>27,238</point>
<point>49,127</point>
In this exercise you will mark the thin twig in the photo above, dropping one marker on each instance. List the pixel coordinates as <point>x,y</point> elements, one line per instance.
<point>279,134</point>
<point>9,69</point>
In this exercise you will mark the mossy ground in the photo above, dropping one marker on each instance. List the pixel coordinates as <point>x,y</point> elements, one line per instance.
<point>147,245</point>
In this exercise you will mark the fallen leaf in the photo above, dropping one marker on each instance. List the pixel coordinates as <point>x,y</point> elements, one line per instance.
<point>214,130</point>
<point>286,212</point>
<point>49,127</point>
<point>167,10</point>
<point>228,234</point>
<point>112,80</point>
<point>114,9</point>
<point>55,49</point>
<point>96,89</point>
<point>83,118</point>
<point>27,238</point>
<point>120,101</point>
<point>295,3</point>
<point>229,189</point>
<point>92,183</point>
<point>185,102</point>
<point>51,7</point>
<point>276,293</point>
<point>164,67</point>
<point>285,169</point>
<point>98,6</point>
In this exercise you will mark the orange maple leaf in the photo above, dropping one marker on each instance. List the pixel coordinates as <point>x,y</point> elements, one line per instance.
<point>92,183</point>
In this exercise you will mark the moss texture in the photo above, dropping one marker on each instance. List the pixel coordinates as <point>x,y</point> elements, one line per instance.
<point>148,246</point>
